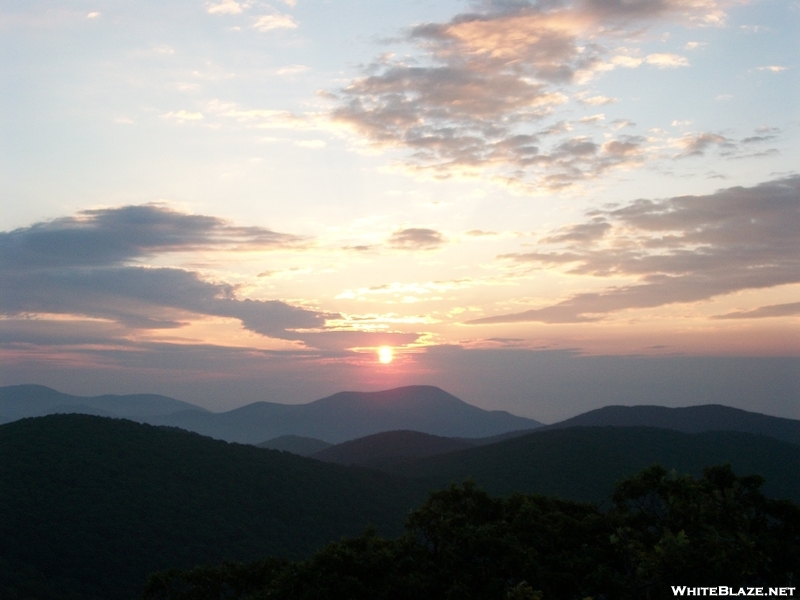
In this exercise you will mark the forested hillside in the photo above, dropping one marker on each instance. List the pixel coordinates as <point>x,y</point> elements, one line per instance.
<point>89,506</point>
<point>660,530</point>
<point>583,463</point>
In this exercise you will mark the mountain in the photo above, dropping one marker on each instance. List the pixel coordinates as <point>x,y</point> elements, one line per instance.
<point>690,419</point>
<point>20,401</point>
<point>389,446</point>
<point>295,444</point>
<point>583,463</point>
<point>343,416</point>
<point>89,506</point>
<point>350,415</point>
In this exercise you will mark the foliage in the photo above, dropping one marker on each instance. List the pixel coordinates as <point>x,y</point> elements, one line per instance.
<point>704,532</point>
<point>662,530</point>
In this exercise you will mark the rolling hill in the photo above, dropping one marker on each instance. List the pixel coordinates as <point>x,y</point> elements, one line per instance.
<point>689,419</point>
<point>296,444</point>
<point>583,463</point>
<point>89,506</point>
<point>343,416</point>
<point>385,448</point>
<point>20,401</point>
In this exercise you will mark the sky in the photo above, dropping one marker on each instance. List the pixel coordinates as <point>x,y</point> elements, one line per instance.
<point>542,207</point>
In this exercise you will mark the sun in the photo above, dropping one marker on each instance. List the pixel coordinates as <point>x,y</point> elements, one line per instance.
<point>385,354</point>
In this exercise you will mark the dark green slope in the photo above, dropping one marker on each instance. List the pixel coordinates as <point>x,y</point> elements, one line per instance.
<point>583,463</point>
<point>89,506</point>
<point>389,446</point>
<point>296,444</point>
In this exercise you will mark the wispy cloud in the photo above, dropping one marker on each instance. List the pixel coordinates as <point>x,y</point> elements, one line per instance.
<point>182,116</point>
<point>666,61</point>
<point>679,250</point>
<point>474,99</point>
<point>789,309</point>
<point>696,144</point>
<point>226,7</point>
<point>416,239</point>
<point>275,21</point>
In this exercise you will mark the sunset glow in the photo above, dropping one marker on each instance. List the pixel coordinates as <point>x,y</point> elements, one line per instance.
<point>385,354</point>
<point>237,201</point>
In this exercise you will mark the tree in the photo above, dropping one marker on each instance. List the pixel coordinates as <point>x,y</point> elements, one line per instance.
<point>661,530</point>
<point>718,530</point>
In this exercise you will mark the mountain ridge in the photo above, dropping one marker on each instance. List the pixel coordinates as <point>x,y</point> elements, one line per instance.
<point>333,419</point>
<point>32,400</point>
<point>581,463</point>
<point>687,419</point>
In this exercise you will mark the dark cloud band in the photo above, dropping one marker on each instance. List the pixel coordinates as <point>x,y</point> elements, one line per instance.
<point>683,249</point>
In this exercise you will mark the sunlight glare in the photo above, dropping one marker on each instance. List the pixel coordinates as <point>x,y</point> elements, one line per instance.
<point>385,354</point>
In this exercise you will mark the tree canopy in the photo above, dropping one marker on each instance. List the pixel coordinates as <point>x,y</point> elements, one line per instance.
<point>659,529</point>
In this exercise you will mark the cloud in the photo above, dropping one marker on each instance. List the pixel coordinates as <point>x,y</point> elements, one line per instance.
<point>276,21</point>
<point>774,310</point>
<point>696,144</point>
<point>476,92</point>
<point>93,15</point>
<point>265,118</point>
<point>292,70</point>
<point>148,298</point>
<point>598,100</point>
<point>181,116</point>
<point>313,144</point>
<point>416,239</point>
<point>226,7</point>
<point>678,250</point>
<point>773,68</point>
<point>666,61</point>
<point>89,265</point>
<point>113,236</point>
<point>480,233</point>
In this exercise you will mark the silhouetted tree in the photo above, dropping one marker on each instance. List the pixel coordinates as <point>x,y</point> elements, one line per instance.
<point>661,530</point>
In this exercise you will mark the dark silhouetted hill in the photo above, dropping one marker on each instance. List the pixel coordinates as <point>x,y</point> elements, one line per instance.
<point>295,444</point>
<point>689,419</point>
<point>583,463</point>
<point>89,506</point>
<point>389,446</point>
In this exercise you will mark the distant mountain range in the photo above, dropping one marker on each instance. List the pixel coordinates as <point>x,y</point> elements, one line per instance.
<point>20,401</point>
<point>689,419</point>
<point>343,416</point>
<point>308,428</point>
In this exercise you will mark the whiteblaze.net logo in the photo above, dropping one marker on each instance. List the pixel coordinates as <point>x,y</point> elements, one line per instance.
<point>722,590</point>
